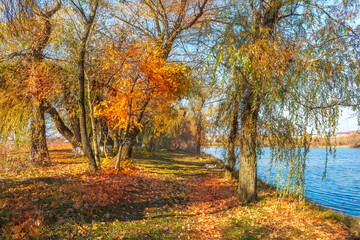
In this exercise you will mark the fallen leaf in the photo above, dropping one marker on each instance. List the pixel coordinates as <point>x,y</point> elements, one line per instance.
<point>77,205</point>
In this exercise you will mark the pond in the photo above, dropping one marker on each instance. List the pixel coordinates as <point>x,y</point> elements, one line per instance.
<point>341,188</point>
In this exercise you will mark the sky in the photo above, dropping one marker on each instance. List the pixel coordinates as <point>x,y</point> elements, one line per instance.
<point>348,121</point>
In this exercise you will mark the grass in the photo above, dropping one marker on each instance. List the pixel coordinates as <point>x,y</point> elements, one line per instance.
<point>166,196</point>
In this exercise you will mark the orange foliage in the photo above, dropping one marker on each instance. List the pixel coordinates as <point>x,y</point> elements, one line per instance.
<point>141,82</point>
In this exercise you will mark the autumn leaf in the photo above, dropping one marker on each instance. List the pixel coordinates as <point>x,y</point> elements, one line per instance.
<point>77,205</point>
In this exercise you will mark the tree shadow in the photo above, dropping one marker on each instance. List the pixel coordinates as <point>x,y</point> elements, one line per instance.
<point>46,180</point>
<point>104,197</point>
<point>57,200</point>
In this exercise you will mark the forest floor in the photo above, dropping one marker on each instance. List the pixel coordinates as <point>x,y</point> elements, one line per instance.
<point>165,196</point>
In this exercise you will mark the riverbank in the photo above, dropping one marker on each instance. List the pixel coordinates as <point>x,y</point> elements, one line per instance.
<point>165,196</point>
<point>338,191</point>
<point>320,146</point>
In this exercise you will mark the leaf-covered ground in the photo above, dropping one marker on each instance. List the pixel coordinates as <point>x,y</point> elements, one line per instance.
<point>165,196</point>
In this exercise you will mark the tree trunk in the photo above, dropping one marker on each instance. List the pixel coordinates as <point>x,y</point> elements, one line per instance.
<point>85,142</point>
<point>198,135</point>
<point>93,126</point>
<point>38,147</point>
<point>197,110</point>
<point>71,112</point>
<point>95,137</point>
<point>231,161</point>
<point>104,137</point>
<point>61,127</point>
<point>265,19</point>
<point>116,139</point>
<point>126,147</point>
<point>82,110</point>
<point>151,145</point>
<point>247,191</point>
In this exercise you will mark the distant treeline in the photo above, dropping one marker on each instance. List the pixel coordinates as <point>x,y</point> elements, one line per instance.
<point>348,139</point>
<point>351,140</point>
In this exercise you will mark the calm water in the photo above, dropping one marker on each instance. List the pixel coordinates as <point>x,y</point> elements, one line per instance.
<point>341,188</point>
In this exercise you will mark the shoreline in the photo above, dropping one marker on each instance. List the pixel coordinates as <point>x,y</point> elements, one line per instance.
<point>318,205</point>
<point>168,195</point>
<point>341,146</point>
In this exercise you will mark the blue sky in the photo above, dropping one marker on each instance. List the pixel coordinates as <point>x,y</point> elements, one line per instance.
<point>348,121</point>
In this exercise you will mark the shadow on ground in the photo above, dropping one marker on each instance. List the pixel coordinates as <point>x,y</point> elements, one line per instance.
<point>51,201</point>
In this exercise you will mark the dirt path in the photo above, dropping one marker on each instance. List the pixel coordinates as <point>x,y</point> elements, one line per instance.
<point>165,196</point>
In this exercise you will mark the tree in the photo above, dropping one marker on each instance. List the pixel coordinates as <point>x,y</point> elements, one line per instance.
<point>142,89</point>
<point>35,73</point>
<point>88,21</point>
<point>168,20</point>
<point>288,69</point>
<point>163,22</point>
<point>177,131</point>
<point>198,117</point>
<point>232,140</point>
<point>200,108</point>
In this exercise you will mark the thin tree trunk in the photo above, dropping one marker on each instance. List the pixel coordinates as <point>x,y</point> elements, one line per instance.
<point>231,161</point>
<point>247,190</point>
<point>95,135</point>
<point>81,84</point>
<point>105,150</point>
<point>104,137</point>
<point>93,127</point>
<point>116,139</point>
<point>198,109</point>
<point>71,112</point>
<point>126,141</point>
<point>82,110</point>
<point>127,144</point>
<point>118,157</point>
<point>95,140</point>
<point>198,135</point>
<point>150,145</point>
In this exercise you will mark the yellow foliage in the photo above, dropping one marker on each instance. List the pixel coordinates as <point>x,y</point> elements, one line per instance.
<point>143,84</point>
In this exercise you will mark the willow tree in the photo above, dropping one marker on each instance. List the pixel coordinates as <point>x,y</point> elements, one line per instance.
<point>30,24</point>
<point>291,65</point>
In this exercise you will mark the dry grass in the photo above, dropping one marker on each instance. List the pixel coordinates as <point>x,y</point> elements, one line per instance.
<point>166,196</point>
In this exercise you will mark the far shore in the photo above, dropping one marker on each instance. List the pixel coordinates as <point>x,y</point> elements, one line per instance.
<point>339,146</point>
